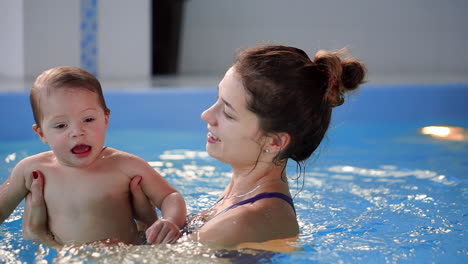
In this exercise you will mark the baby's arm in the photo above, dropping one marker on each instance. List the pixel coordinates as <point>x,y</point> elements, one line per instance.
<point>13,190</point>
<point>167,199</point>
<point>143,210</point>
<point>167,229</point>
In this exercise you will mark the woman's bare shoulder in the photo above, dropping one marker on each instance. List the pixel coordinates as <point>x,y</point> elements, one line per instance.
<point>264,220</point>
<point>270,214</point>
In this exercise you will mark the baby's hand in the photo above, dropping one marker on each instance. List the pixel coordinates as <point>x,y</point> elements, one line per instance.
<point>162,231</point>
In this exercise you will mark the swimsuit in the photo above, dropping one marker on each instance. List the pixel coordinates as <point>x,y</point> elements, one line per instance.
<point>257,197</point>
<point>196,224</point>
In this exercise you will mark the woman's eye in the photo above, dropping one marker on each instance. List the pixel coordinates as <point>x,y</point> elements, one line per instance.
<point>227,115</point>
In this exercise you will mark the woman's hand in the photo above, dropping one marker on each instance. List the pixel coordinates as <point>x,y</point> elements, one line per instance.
<point>35,226</point>
<point>143,211</point>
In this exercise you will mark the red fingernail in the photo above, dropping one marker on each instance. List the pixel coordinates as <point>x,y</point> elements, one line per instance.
<point>35,174</point>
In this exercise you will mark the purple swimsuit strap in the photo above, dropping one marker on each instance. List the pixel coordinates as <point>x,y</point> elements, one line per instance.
<point>259,197</point>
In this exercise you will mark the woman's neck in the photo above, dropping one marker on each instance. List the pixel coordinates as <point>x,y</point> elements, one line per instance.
<point>263,175</point>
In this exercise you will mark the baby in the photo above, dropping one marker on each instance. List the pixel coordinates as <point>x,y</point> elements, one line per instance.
<point>88,185</point>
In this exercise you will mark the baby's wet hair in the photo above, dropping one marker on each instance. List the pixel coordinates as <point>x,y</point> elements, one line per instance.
<point>63,77</point>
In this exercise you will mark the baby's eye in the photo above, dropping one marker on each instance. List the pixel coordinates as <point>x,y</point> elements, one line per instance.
<point>60,126</point>
<point>89,119</point>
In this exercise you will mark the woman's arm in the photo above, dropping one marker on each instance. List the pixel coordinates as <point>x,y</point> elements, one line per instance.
<point>35,226</point>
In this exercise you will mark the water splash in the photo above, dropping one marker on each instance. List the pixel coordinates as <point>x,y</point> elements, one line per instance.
<point>10,158</point>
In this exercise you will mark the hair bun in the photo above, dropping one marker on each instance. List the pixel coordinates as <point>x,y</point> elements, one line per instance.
<point>353,74</point>
<point>343,74</point>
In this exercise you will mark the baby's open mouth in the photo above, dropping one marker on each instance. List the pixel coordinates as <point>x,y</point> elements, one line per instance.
<point>79,149</point>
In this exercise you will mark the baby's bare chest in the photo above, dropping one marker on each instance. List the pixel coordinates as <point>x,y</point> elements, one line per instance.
<point>84,191</point>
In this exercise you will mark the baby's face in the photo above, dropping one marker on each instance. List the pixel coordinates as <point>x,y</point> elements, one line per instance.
<point>73,124</point>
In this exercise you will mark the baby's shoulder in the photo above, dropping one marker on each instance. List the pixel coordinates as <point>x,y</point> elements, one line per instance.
<point>126,162</point>
<point>116,155</point>
<point>38,160</point>
<point>26,166</point>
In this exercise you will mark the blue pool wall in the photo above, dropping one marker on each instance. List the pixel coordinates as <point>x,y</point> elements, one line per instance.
<point>179,109</point>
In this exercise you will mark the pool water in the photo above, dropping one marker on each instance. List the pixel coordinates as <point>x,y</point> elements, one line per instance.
<point>376,191</point>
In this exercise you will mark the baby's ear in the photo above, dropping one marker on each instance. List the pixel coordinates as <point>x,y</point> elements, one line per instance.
<point>39,132</point>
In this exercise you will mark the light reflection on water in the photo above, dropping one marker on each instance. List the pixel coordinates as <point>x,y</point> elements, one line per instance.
<point>446,132</point>
<point>346,214</point>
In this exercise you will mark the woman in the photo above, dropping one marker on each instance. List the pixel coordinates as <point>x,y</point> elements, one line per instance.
<point>274,104</point>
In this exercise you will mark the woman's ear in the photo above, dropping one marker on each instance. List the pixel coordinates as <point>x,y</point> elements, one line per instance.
<point>39,132</point>
<point>107,116</point>
<point>278,142</point>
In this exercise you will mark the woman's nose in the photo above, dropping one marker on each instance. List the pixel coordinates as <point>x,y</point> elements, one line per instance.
<point>208,116</point>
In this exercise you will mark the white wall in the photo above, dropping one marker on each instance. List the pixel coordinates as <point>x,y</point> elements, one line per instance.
<point>51,35</point>
<point>11,39</point>
<point>124,44</point>
<point>391,37</point>
<point>37,35</point>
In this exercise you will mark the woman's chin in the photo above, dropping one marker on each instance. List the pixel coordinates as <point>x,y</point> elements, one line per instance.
<point>212,153</point>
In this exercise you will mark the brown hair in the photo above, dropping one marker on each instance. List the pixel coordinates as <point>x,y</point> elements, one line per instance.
<point>291,93</point>
<point>64,77</point>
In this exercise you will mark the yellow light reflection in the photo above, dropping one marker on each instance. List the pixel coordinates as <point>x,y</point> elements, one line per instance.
<point>446,132</point>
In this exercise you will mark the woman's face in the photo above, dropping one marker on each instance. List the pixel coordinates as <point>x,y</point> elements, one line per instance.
<point>233,131</point>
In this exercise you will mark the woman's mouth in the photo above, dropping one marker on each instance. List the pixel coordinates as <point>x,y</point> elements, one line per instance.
<point>212,138</point>
<point>81,150</point>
